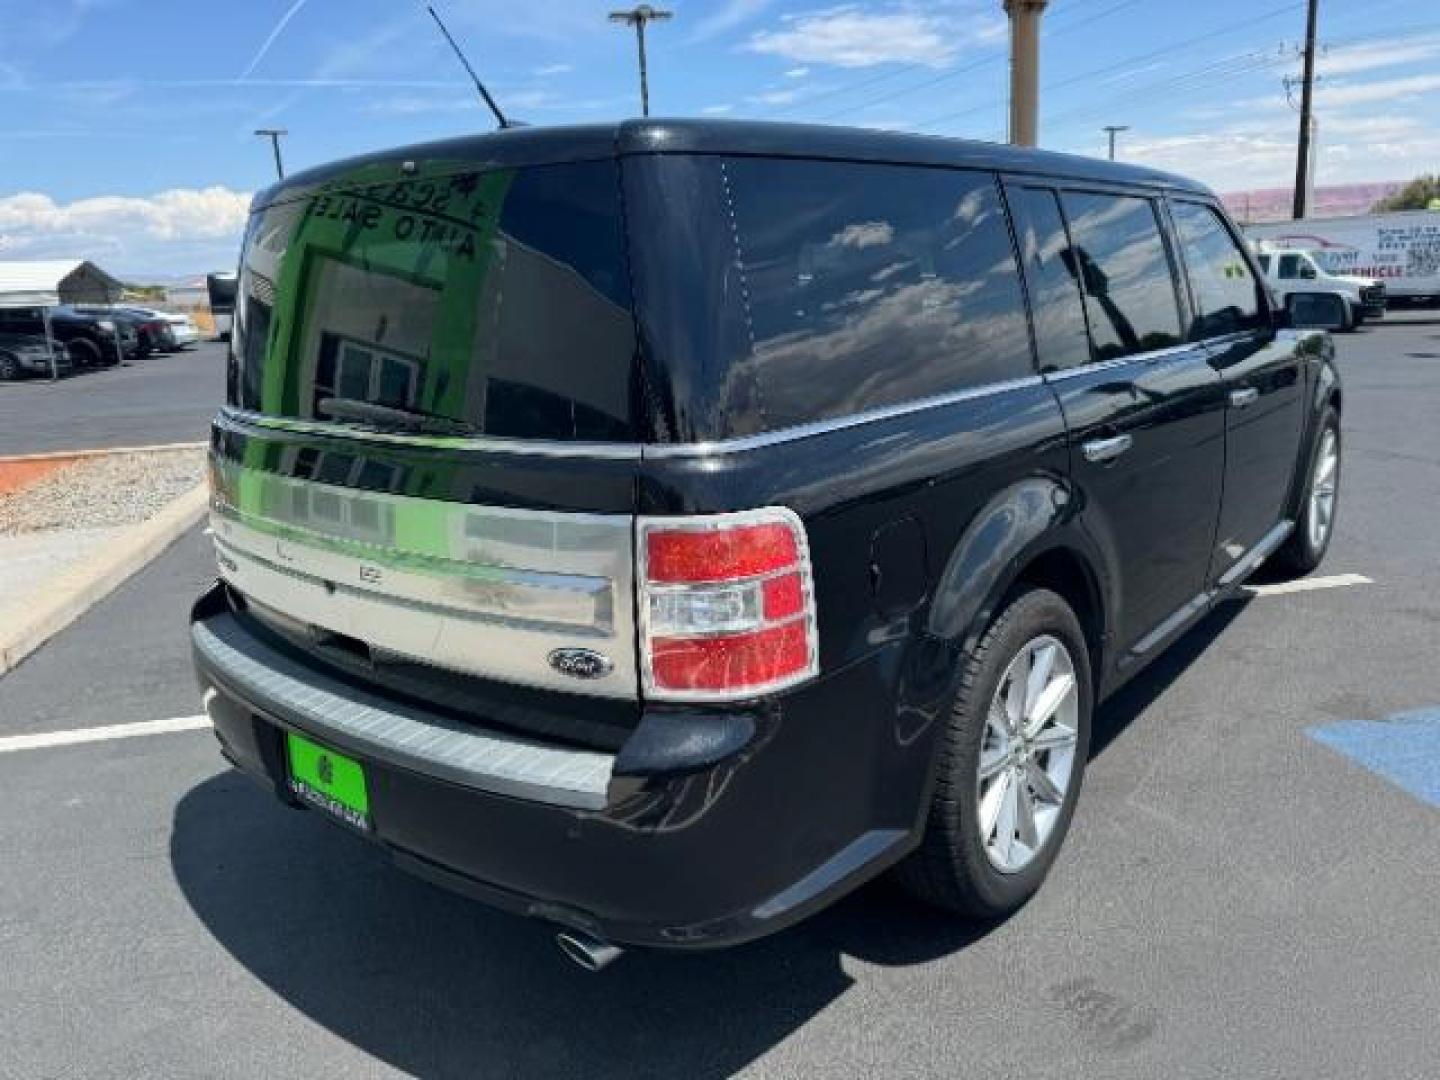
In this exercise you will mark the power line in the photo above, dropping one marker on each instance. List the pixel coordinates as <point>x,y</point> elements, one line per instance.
<point>1224,67</point>
<point>1151,55</point>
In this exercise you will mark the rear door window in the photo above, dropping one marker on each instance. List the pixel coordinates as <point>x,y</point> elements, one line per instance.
<point>1227,296</point>
<point>1052,275</point>
<point>866,286</point>
<point>1129,285</point>
<point>459,302</point>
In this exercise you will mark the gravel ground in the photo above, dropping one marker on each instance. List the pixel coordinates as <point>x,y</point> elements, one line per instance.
<point>118,489</point>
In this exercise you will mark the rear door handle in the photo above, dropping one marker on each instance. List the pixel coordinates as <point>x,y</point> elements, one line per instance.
<point>1241,399</point>
<point>1101,450</point>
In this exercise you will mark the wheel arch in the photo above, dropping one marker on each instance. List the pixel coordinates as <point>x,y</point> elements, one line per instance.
<point>1026,535</point>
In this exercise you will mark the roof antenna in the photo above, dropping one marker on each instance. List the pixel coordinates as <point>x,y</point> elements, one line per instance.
<point>484,94</point>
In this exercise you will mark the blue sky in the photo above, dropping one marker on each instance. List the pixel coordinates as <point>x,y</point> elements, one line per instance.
<point>125,126</point>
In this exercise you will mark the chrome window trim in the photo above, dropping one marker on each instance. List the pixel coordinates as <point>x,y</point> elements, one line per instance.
<point>494,444</point>
<point>1152,357</point>
<point>741,443</point>
<point>637,451</point>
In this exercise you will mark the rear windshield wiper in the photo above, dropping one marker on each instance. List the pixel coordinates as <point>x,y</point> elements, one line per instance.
<point>390,418</point>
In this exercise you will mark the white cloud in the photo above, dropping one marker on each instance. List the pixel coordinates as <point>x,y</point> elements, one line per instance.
<point>717,110</point>
<point>853,38</point>
<point>548,70</point>
<point>775,97</point>
<point>1352,149</point>
<point>797,73</point>
<point>730,15</point>
<point>1392,52</point>
<point>181,230</point>
<point>1382,90</point>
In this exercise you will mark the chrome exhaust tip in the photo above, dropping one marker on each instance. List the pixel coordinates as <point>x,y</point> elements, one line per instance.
<point>590,953</point>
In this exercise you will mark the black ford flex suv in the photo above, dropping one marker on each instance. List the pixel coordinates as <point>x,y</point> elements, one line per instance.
<point>660,529</point>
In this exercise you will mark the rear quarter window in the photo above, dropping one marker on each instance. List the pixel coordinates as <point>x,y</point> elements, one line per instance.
<point>841,288</point>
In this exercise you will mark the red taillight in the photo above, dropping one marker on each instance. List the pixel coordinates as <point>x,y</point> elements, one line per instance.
<point>727,605</point>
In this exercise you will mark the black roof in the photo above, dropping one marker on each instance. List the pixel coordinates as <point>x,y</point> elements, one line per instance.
<point>521,146</point>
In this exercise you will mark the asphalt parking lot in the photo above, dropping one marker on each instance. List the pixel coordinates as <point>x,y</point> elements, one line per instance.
<point>163,398</point>
<point>1248,890</point>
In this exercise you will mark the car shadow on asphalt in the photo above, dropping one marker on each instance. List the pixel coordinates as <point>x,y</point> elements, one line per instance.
<point>441,986</point>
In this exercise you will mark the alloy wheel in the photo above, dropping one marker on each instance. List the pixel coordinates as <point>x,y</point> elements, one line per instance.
<point>1027,753</point>
<point>1323,486</point>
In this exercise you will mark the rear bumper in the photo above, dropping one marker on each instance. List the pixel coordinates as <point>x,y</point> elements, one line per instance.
<point>671,842</point>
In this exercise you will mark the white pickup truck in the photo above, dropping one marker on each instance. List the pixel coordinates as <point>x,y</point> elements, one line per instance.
<point>1291,270</point>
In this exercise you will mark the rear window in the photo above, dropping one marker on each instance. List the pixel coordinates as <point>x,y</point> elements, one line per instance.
<point>781,292</point>
<point>487,302</point>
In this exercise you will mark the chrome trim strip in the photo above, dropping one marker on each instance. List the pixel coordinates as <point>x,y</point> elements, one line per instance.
<point>1243,568</point>
<point>1168,353</point>
<point>741,443</point>
<point>487,591</point>
<point>636,451</point>
<point>491,444</point>
<point>370,726</point>
<point>567,603</point>
<point>1263,549</point>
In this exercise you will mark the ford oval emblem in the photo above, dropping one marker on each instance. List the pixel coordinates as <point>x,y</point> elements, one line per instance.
<point>581,663</point>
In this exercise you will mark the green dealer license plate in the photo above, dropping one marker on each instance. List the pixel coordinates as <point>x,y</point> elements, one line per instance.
<point>328,781</point>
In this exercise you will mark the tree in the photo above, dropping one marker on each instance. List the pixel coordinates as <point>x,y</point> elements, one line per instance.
<point>1418,194</point>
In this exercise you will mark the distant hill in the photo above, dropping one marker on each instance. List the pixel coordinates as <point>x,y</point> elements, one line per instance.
<point>1338,200</point>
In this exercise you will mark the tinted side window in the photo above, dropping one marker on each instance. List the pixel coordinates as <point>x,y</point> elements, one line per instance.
<point>1129,290</point>
<point>867,286</point>
<point>1291,266</point>
<point>1226,296</point>
<point>1050,273</point>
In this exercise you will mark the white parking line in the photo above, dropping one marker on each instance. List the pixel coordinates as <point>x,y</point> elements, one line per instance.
<point>1283,588</point>
<point>14,744</point>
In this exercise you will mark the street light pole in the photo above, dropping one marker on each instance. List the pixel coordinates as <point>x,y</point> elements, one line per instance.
<point>1024,18</point>
<point>274,136</point>
<point>638,17</point>
<point>1112,130</point>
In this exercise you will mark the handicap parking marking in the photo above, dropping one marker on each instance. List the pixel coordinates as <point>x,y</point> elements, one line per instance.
<point>14,744</point>
<point>1284,588</point>
<point>1404,749</point>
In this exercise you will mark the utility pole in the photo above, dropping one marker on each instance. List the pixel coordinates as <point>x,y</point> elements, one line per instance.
<point>638,17</point>
<point>1024,69</point>
<point>1112,130</point>
<point>1307,102</point>
<point>274,135</point>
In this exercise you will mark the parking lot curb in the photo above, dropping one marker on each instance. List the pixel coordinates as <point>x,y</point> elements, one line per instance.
<point>103,451</point>
<point>33,622</point>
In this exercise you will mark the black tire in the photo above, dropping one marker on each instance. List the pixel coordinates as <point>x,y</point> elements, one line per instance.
<point>83,352</point>
<point>9,367</point>
<point>951,869</point>
<point>1300,553</point>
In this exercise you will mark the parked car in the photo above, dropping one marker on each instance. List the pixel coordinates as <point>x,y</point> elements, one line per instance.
<point>147,335</point>
<point>89,340</point>
<point>1400,249</point>
<point>182,330</point>
<point>660,529</point>
<point>30,354</point>
<point>1300,271</point>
